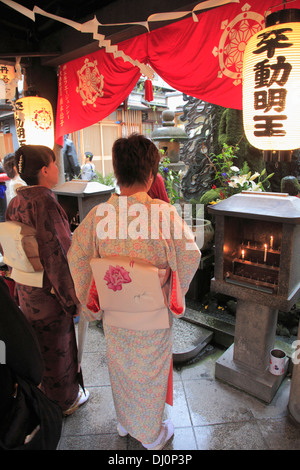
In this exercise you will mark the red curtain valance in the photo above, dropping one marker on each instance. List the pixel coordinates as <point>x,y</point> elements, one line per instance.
<point>202,59</point>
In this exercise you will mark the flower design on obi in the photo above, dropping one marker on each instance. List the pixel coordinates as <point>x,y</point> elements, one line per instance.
<point>115,276</point>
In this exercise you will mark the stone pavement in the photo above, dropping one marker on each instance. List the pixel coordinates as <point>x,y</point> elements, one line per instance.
<point>207,414</point>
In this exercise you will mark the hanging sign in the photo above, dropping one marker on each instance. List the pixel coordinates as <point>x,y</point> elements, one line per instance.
<point>271,92</point>
<point>34,121</point>
<point>7,73</point>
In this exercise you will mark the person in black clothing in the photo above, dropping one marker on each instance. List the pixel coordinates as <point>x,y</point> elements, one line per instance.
<point>71,165</point>
<point>28,419</point>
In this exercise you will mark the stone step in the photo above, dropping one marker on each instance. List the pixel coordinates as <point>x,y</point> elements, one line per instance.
<point>188,340</point>
<point>223,330</point>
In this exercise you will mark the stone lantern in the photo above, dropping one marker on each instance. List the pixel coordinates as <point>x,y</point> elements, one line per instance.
<point>257,247</point>
<point>168,138</point>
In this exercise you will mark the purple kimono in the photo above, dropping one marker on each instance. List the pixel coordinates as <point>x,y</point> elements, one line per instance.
<point>50,309</point>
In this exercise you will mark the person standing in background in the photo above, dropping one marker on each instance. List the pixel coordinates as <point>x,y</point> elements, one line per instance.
<point>15,181</point>
<point>71,165</point>
<point>158,189</point>
<point>88,168</point>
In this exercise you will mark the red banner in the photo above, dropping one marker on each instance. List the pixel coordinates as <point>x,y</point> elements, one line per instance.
<point>205,59</point>
<point>202,59</point>
<point>92,87</point>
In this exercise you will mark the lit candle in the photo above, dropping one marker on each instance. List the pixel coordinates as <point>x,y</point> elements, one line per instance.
<point>271,242</point>
<point>243,254</point>
<point>265,254</point>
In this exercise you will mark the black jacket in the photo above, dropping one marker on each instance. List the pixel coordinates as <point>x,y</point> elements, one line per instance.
<point>23,406</point>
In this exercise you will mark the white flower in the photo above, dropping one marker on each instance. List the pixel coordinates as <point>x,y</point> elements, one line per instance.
<point>237,180</point>
<point>253,177</point>
<point>254,186</point>
<point>234,168</point>
<point>233,183</point>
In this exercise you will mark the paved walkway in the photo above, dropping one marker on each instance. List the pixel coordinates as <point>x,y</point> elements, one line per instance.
<point>207,414</point>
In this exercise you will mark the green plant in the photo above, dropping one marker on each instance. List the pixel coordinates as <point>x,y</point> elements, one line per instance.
<point>108,180</point>
<point>171,179</point>
<point>230,179</point>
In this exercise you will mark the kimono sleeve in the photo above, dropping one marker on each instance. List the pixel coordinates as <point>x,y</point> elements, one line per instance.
<point>54,239</point>
<point>184,255</point>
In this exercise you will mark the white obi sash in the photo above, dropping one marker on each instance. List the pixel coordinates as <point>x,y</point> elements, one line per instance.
<point>21,253</point>
<point>130,293</point>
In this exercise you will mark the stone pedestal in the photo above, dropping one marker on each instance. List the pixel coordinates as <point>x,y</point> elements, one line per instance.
<point>245,364</point>
<point>294,400</point>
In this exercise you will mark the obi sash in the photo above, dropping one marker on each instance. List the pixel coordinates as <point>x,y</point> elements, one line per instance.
<point>130,293</point>
<point>21,253</point>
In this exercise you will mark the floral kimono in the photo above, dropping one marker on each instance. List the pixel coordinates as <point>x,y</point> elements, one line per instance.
<point>139,361</point>
<point>50,308</point>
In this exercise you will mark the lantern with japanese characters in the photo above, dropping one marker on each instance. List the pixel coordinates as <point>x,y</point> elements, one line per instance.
<point>7,73</point>
<point>34,121</point>
<point>271,92</point>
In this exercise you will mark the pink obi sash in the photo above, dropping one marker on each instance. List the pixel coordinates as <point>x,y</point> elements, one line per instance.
<point>134,294</point>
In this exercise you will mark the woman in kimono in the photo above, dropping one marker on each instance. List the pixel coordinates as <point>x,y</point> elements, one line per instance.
<point>50,308</point>
<point>139,361</point>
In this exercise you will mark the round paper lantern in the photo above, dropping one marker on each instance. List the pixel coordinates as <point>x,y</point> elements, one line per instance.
<point>271,91</point>
<point>34,121</point>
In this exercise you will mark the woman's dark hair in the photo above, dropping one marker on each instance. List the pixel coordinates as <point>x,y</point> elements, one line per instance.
<point>9,165</point>
<point>29,159</point>
<point>134,159</point>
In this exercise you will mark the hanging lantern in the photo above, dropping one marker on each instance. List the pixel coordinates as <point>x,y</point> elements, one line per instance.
<point>34,121</point>
<point>271,91</point>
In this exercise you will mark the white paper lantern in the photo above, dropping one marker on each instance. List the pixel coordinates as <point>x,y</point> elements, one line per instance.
<point>34,121</point>
<point>271,88</point>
